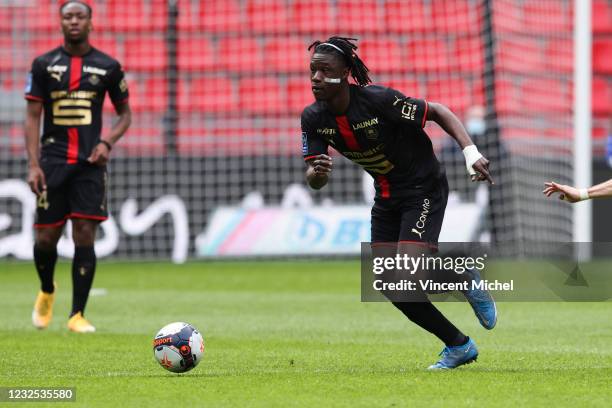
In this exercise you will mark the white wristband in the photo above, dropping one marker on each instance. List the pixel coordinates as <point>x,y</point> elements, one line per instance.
<point>472,155</point>
<point>584,194</point>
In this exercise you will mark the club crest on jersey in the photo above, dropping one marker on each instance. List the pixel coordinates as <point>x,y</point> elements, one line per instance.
<point>94,79</point>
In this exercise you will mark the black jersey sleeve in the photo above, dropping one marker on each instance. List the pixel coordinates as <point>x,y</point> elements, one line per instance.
<point>117,86</point>
<point>312,143</point>
<point>403,109</point>
<point>36,81</point>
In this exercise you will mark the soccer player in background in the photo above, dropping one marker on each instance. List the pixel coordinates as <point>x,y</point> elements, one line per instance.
<point>68,173</point>
<point>382,130</point>
<point>573,194</point>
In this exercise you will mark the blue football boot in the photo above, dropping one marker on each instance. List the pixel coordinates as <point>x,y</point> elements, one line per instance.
<point>453,357</point>
<point>481,301</point>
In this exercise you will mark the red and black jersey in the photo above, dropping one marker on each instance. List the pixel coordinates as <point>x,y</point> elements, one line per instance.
<point>382,131</point>
<point>72,90</point>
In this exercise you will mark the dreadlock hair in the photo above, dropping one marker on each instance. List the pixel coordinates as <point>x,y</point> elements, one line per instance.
<point>344,47</point>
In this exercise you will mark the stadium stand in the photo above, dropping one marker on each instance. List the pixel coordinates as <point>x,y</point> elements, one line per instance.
<point>232,52</point>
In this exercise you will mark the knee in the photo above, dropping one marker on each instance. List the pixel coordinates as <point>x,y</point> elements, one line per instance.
<point>46,238</point>
<point>84,233</point>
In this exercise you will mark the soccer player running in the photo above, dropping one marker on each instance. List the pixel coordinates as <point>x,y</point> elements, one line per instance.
<point>68,174</point>
<point>382,130</point>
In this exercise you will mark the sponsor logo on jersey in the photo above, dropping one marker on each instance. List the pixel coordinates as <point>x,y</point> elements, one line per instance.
<point>365,124</point>
<point>408,109</point>
<point>57,71</point>
<point>74,94</point>
<point>94,70</point>
<point>326,131</point>
<point>420,224</point>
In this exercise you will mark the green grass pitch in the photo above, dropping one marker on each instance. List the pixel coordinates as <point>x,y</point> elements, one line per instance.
<point>293,334</point>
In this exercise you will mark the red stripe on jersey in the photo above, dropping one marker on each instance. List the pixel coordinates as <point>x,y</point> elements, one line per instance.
<point>425,114</point>
<point>34,98</point>
<point>384,186</point>
<point>72,154</point>
<point>76,65</point>
<point>309,157</point>
<point>347,133</point>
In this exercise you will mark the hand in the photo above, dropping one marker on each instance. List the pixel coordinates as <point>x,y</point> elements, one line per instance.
<point>99,155</point>
<point>568,193</point>
<point>36,180</point>
<point>322,164</point>
<point>482,170</point>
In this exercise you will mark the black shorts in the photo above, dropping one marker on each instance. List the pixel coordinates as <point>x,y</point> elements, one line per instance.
<point>414,219</point>
<point>73,191</point>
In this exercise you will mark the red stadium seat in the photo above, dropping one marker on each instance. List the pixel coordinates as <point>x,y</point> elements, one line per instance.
<point>195,54</point>
<point>107,45</point>
<point>24,54</point>
<point>359,17</point>
<point>602,56</point>
<point>524,56</point>
<point>409,87</point>
<point>143,138</point>
<point>155,94</point>
<point>507,16</point>
<point>382,56</point>
<point>427,55</point>
<point>261,96</point>
<point>289,54</point>
<point>559,56</point>
<point>220,16</point>
<point>454,93</point>
<point>469,55</point>
<point>42,15</point>
<point>299,94</point>
<point>406,17</point>
<point>6,15</point>
<point>6,56</point>
<point>139,16</point>
<point>266,16</point>
<point>212,95</point>
<point>455,16</point>
<point>546,17</point>
<point>546,95</point>
<point>187,18</point>
<point>602,96</point>
<point>507,98</point>
<point>145,55</point>
<point>313,16</point>
<point>602,16</point>
<point>240,54</point>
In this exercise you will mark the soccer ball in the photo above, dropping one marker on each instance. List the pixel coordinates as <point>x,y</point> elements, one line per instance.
<point>178,347</point>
